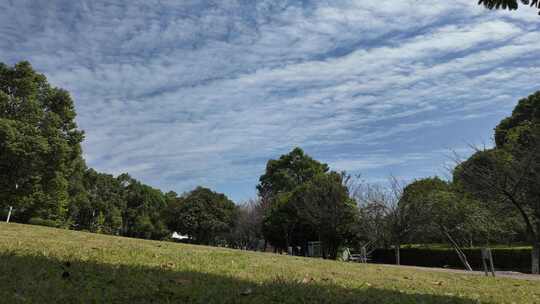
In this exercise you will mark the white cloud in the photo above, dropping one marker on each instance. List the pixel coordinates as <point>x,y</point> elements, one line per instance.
<point>187,92</point>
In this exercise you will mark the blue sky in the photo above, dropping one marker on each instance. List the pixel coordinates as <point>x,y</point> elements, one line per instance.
<point>186,93</point>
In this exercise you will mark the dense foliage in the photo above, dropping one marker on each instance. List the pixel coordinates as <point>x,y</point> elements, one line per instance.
<point>508,175</point>
<point>323,208</point>
<point>515,259</point>
<point>40,153</point>
<point>438,208</point>
<point>204,215</point>
<point>306,203</point>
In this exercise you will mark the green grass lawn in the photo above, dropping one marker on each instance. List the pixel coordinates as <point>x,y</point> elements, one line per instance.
<point>46,265</point>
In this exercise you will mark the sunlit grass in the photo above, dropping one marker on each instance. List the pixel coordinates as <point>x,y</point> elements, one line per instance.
<point>46,265</point>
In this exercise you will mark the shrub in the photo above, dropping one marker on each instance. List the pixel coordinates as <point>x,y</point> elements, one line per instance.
<point>503,258</point>
<point>42,222</point>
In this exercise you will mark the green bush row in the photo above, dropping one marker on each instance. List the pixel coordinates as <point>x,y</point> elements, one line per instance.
<point>43,222</point>
<point>503,258</point>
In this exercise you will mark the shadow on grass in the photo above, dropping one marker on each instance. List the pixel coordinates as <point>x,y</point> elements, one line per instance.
<point>38,279</point>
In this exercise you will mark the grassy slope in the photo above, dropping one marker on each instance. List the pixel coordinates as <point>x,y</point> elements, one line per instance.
<point>45,265</point>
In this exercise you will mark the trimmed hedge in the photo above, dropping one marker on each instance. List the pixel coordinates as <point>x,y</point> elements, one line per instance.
<point>503,258</point>
<point>42,222</point>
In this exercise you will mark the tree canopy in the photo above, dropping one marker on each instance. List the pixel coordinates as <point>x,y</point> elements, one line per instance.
<point>508,4</point>
<point>287,172</point>
<point>202,214</point>
<point>306,203</point>
<point>324,207</point>
<point>509,173</point>
<point>40,148</point>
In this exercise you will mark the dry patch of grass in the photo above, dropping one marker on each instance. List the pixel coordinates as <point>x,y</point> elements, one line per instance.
<point>46,265</point>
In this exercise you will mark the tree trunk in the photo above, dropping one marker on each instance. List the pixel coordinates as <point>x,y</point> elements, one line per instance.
<point>332,251</point>
<point>535,258</point>
<point>398,256</point>
<point>324,250</point>
<point>287,242</point>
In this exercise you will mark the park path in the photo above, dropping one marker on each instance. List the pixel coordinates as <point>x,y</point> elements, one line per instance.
<point>500,274</point>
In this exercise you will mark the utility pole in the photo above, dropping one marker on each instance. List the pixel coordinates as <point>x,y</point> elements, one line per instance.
<point>11,207</point>
<point>9,214</point>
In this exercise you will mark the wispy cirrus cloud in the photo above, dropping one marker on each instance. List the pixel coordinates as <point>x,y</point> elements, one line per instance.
<point>181,93</point>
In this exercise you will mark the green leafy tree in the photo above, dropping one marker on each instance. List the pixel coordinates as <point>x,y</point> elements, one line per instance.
<point>103,194</point>
<point>287,172</point>
<point>98,225</point>
<point>114,220</point>
<point>39,145</point>
<point>509,174</point>
<point>202,214</point>
<point>143,215</point>
<point>280,223</point>
<point>444,213</point>
<point>417,203</point>
<point>323,205</point>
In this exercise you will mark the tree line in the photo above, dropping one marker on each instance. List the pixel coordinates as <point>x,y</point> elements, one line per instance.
<point>493,197</point>
<point>45,178</point>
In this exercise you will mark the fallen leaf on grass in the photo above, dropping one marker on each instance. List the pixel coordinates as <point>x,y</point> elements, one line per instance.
<point>437,283</point>
<point>168,265</point>
<point>307,280</point>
